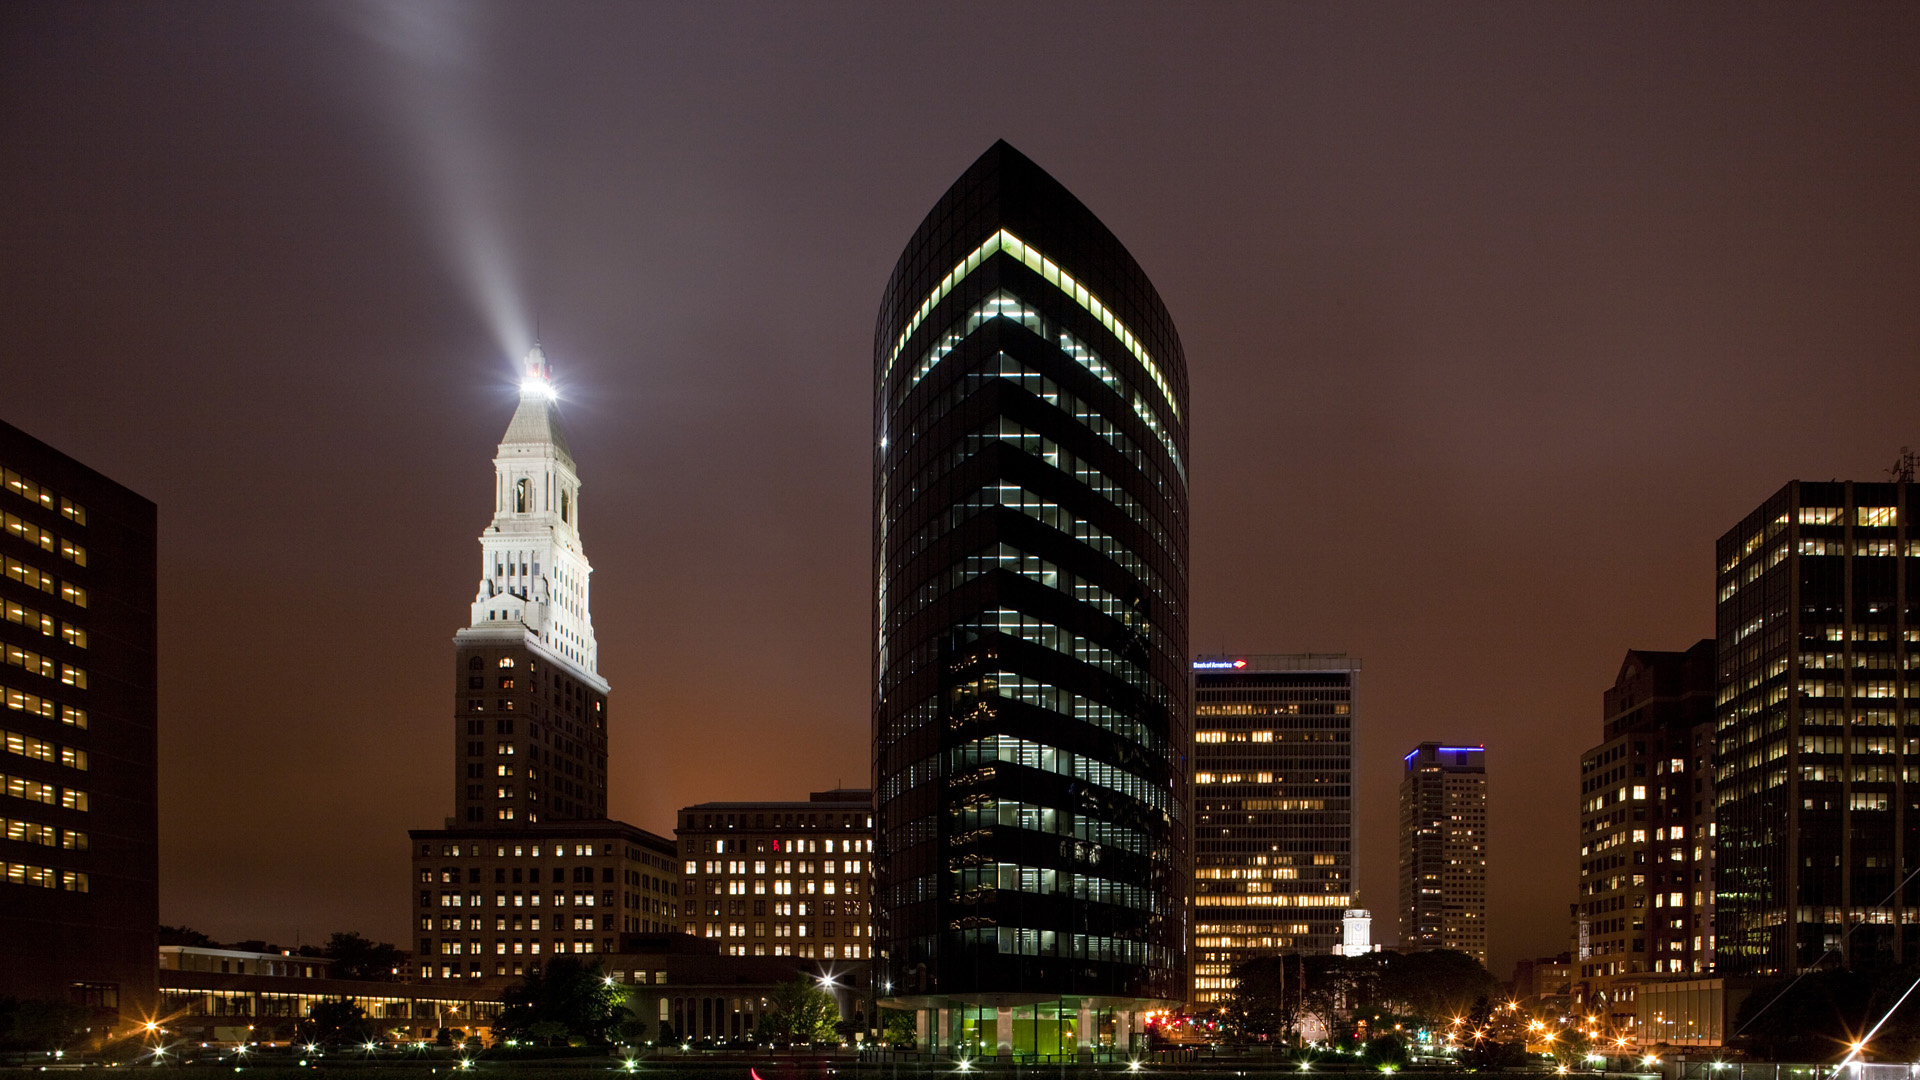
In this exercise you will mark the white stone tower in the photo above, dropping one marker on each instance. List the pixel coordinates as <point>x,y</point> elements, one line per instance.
<point>533,570</point>
<point>530,717</point>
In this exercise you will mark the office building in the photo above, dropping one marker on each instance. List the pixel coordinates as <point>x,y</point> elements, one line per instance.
<point>79,894</point>
<point>1646,833</point>
<point>529,865</point>
<point>780,878</point>
<point>1816,627</point>
<point>1273,783</point>
<point>1443,850</point>
<point>496,902</point>
<point>1030,687</point>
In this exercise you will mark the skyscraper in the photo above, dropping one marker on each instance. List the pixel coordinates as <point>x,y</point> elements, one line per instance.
<point>79,820</point>
<point>1817,627</point>
<point>1273,809</point>
<point>1443,850</point>
<point>530,744</point>
<point>530,708</point>
<point>1030,686</point>
<point>1646,833</point>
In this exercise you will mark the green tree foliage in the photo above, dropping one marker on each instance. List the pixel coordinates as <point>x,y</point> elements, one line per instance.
<point>898,1029</point>
<point>803,1012</point>
<point>1571,1047</point>
<point>185,935</point>
<point>574,995</point>
<point>335,1023</point>
<point>356,957</point>
<point>42,1024</point>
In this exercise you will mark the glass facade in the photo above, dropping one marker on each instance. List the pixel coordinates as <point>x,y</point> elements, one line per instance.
<point>1273,809</point>
<point>1030,689</point>
<point>1817,719</point>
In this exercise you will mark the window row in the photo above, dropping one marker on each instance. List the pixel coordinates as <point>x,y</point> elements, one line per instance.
<point>1013,686</point>
<point>47,625</point>
<point>37,749</point>
<point>1060,762</point>
<point>35,578</point>
<point>1050,272</point>
<point>32,832</point>
<point>45,877</point>
<point>20,787</point>
<point>45,666</point>
<point>35,705</point>
<point>42,496</point>
<point>1002,304</point>
<point>42,539</point>
<point>1872,516</point>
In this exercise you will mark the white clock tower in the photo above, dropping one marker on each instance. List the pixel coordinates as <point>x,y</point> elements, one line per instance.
<point>530,707</point>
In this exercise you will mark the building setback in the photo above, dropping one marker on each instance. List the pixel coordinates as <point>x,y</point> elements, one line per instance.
<point>1030,685</point>
<point>1817,628</point>
<point>1443,850</point>
<point>1273,747</point>
<point>79,897</point>
<point>1646,833</point>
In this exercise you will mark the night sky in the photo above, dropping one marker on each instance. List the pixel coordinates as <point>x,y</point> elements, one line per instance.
<point>1496,316</point>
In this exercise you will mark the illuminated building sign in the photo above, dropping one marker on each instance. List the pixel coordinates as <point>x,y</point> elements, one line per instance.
<point>1218,665</point>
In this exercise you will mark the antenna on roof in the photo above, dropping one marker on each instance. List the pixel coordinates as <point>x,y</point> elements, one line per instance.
<point>1904,466</point>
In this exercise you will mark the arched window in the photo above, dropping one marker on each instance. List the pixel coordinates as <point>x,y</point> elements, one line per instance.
<point>473,664</point>
<point>506,661</point>
<point>522,495</point>
<point>566,505</point>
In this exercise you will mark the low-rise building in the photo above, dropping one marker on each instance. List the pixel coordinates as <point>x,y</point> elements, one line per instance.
<point>219,995</point>
<point>491,902</point>
<point>781,878</point>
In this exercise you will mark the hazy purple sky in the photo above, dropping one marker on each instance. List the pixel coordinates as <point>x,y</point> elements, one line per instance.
<point>1496,317</point>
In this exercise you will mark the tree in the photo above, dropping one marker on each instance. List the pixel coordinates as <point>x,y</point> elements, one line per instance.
<point>1571,1046</point>
<point>803,1012</point>
<point>899,1029</point>
<point>1432,986</point>
<point>335,1023</point>
<point>1481,1046</point>
<point>630,1032</point>
<point>1388,1049</point>
<point>547,1032</point>
<point>356,957</point>
<point>574,995</point>
<point>185,935</point>
<point>1261,1007</point>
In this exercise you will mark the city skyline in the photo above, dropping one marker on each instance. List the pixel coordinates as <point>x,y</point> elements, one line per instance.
<point>1449,383</point>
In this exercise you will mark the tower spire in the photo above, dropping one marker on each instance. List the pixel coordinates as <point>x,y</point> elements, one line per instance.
<point>534,571</point>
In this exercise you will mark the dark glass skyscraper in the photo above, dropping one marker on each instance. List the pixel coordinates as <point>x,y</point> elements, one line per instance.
<point>1817,625</point>
<point>1030,684</point>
